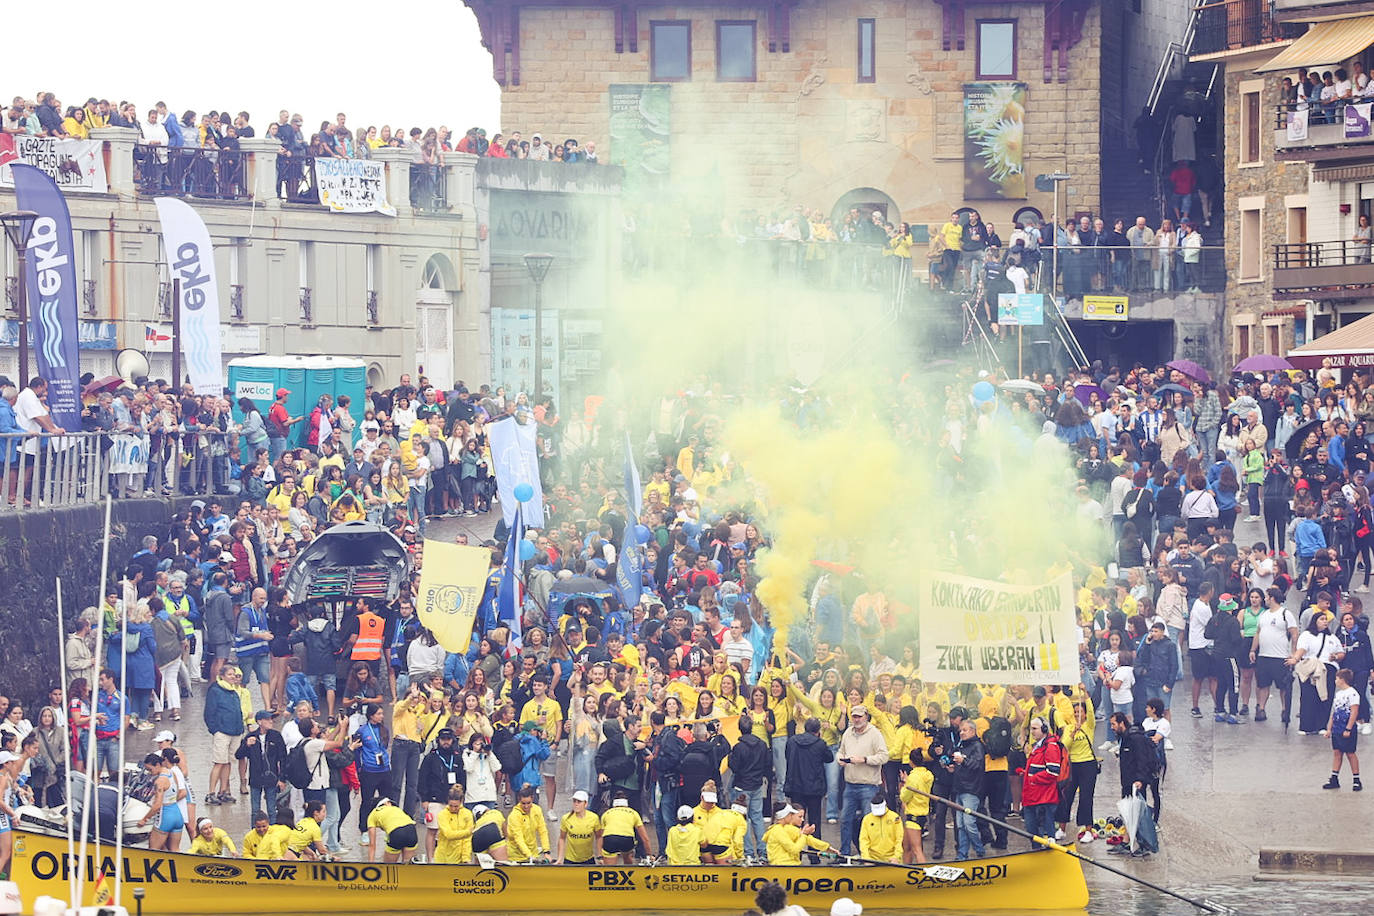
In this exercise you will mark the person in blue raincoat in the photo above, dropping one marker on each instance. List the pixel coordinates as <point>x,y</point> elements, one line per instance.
<point>533,751</point>
<point>141,673</point>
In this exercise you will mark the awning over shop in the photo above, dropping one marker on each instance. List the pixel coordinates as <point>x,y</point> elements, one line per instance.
<point>1325,43</point>
<point>1350,347</point>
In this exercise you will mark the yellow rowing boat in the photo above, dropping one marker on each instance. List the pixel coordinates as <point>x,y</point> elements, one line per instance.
<point>179,884</point>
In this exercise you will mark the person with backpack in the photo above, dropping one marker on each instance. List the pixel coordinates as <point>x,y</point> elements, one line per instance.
<point>1139,506</point>
<point>1227,644</point>
<point>265,751</point>
<point>306,766</point>
<point>995,730</point>
<point>1046,766</point>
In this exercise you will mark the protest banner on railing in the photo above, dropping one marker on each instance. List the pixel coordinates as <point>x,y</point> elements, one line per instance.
<point>75,165</point>
<point>979,631</point>
<point>353,186</point>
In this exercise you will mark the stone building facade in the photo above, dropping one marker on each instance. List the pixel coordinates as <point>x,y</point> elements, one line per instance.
<point>836,103</point>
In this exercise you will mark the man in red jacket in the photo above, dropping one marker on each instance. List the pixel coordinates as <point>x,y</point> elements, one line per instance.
<point>1040,788</point>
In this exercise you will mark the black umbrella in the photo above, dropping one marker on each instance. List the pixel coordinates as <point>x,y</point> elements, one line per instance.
<point>1166,392</point>
<point>1294,444</point>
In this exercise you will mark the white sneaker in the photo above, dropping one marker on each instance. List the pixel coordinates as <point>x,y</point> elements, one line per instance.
<point>1365,729</point>
<point>1086,837</point>
<point>1058,835</point>
<point>1168,744</point>
<point>362,840</point>
<point>1106,746</point>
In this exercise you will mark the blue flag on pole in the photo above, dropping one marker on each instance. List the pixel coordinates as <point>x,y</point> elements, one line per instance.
<point>51,282</point>
<point>508,597</point>
<point>634,490</point>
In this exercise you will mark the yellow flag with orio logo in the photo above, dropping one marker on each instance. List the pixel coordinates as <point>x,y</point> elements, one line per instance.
<point>451,585</point>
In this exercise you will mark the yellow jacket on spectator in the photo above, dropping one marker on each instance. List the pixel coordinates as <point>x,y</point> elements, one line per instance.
<point>785,844</point>
<point>829,718</point>
<point>880,836</point>
<point>75,129</point>
<point>406,718</point>
<point>455,837</point>
<point>527,835</point>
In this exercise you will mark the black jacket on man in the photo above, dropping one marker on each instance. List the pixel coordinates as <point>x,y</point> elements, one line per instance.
<point>440,771</point>
<point>265,751</point>
<point>700,762</point>
<point>1139,761</point>
<point>751,762</point>
<point>807,756</point>
<point>968,773</point>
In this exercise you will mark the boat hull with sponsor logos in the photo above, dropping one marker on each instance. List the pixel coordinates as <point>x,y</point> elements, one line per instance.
<point>180,884</point>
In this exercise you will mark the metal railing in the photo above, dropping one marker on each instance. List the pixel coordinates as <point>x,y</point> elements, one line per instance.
<point>296,179</point>
<point>1225,25</point>
<point>1344,253</point>
<point>1103,270</point>
<point>428,186</point>
<point>46,471</point>
<point>1332,112</point>
<point>1175,52</point>
<point>189,171</point>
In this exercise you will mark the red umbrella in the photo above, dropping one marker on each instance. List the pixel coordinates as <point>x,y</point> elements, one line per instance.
<point>108,383</point>
<point>1190,369</point>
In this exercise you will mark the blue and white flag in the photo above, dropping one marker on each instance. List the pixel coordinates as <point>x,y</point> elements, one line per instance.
<point>516,461</point>
<point>634,490</point>
<point>50,277</point>
<point>629,568</point>
<point>508,597</point>
<point>191,259</point>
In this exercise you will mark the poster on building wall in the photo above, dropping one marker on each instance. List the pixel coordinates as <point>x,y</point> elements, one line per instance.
<point>75,165</point>
<point>1357,121</point>
<point>1296,123</point>
<point>512,351</point>
<point>994,126</point>
<point>641,117</point>
<point>353,186</point>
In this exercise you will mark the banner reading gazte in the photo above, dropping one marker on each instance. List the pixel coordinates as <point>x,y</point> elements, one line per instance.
<point>51,280</point>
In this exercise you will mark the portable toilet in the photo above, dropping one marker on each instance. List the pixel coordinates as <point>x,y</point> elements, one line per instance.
<point>306,377</point>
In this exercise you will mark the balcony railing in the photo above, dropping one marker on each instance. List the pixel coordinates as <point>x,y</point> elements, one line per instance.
<point>190,172</point>
<point>1329,125</point>
<point>296,179</point>
<point>1226,25</point>
<point>1335,270</point>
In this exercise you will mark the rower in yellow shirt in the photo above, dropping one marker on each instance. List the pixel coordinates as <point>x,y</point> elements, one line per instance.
<point>620,824</point>
<point>306,840</point>
<point>274,841</point>
<point>712,819</point>
<point>397,828</point>
<point>212,841</point>
<point>787,838</point>
<point>579,832</point>
<point>736,827</point>
<point>527,833</point>
<point>684,839</point>
<point>880,832</point>
<point>252,840</point>
<point>915,806</point>
<point>456,827</point>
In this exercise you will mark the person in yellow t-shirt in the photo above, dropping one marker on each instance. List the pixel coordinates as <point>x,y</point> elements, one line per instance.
<point>398,828</point>
<point>579,833</point>
<point>620,824</point>
<point>455,831</point>
<point>915,806</point>
<point>787,838</point>
<point>306,841</point>
<point>1077,737</point>
<point>212,841</point>
<point>489,833</point>
<point>252,840</point>
<point>273,845</point>
<point>880,832</point>
<point>684,839</point>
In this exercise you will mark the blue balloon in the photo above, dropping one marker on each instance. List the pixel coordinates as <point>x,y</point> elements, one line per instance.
<point>524,492</point>
<point>983,391</point>
<point>526,550</point>
<point>642,534</point>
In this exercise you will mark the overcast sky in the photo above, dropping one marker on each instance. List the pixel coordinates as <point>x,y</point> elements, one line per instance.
<point>412,63</point>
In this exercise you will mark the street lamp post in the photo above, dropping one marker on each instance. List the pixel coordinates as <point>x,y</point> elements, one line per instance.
<point>19,226</point>
<point>538,266</point>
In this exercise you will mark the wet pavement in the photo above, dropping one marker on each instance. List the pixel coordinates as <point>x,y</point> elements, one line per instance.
<point>1230,790</point>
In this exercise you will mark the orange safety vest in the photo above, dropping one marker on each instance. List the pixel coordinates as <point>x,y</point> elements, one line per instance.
<point>368,647</point>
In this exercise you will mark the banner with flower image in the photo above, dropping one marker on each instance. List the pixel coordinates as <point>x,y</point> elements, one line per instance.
<point>994,126</point>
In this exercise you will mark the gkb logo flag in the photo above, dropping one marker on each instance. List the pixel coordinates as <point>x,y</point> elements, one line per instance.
<point>51,282</point>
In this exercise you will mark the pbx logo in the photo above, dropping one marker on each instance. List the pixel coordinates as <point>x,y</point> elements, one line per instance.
<point>610,880</point>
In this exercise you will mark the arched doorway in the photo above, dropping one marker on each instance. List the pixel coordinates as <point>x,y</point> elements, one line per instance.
<point>866,200</point>
<point>434,321</point>
<point>1019,218</point>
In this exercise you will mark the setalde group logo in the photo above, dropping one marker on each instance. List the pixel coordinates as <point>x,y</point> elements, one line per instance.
<point>684,882</point>
<point>487,883</point>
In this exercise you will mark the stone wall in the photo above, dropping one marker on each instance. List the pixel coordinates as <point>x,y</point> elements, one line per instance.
<point>806,132</point>
<point>39,546</point>
<point>1272,180</point>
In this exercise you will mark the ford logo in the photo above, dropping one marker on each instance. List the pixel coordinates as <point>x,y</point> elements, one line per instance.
<point>218,871</point>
